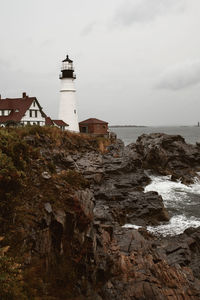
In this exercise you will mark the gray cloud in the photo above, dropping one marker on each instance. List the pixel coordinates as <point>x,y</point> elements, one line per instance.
<point>180,76</point>
<point>4,64</point>
<point>146,10</point>
<point>119,48</point>
<point>47,43</point>
<point>88,28</point>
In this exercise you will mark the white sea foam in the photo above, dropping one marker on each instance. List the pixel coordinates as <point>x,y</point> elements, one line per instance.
<point>182,202</point>
<point>175,194</point>
<point>172,192</point>
<point>177,225</point>
<point>131,226</point>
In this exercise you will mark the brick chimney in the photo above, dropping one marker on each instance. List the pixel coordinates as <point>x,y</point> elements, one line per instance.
<point>23,95</point>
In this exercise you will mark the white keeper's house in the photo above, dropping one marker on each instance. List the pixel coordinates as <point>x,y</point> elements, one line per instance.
<point>25,111</point>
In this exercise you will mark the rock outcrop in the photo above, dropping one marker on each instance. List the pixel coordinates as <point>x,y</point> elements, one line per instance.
<point>66,216</point>
<point>168,155</point>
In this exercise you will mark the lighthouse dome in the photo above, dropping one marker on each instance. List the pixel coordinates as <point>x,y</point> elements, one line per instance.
<point>68,59</point>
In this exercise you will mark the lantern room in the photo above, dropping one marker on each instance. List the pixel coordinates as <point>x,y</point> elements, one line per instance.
<point>67,70</point>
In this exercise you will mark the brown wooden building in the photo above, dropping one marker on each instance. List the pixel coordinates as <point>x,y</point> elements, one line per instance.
<point>94,126</point>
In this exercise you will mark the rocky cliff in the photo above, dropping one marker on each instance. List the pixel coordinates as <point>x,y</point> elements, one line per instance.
<point>64,201</point>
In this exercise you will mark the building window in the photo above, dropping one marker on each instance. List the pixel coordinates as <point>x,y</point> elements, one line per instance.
<point>84,129</point>
<point>34,103</point>
<point>36,113</point>
<point>75,111</point>
<point>30,113</point>
<point>38,123</point>
<point>2,112</point>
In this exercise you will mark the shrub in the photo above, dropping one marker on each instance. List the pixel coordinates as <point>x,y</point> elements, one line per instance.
<point>9,175</point>
<point>11,284</point>
<point>74,179</point>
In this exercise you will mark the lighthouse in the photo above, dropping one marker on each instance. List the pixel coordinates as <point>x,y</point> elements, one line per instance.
<point>67,107</point>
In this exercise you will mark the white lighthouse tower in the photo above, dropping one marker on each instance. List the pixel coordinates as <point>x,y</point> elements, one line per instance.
<point>67,107</point>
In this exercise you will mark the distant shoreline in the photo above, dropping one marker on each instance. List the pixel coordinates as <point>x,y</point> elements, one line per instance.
<point>118,126</point>
<point>143,126</point>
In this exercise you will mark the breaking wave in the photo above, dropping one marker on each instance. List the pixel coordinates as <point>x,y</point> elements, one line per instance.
<point>181,201</point>
<point>177,225</point>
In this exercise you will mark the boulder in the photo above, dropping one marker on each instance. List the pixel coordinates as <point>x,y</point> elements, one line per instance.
<point>168,155</point>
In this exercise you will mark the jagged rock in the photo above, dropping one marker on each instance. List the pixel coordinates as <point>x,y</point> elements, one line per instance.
<point>60,216</point>
<point>135,208</point>
<point>168,154</point>
<point>48,207</point>
<point>46,175</point>
<point>117,148</point>
<point>86,201</point>
<point>143,271</point>
<point>112,136</point>
<point>69,237</point>
<point>184,250</point>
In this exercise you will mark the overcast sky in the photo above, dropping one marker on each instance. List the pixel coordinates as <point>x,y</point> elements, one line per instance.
<point>137,61</point>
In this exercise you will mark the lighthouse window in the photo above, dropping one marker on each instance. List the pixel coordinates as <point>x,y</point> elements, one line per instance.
<point>75,111</point>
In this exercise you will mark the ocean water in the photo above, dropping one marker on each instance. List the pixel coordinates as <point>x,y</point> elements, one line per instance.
<point>181,201</point>
<point>129,135</point>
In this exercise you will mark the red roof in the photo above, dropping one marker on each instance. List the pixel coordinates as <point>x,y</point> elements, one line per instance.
<point>60,123</point>
<point>48,121</point>
<point>18,107</point>
<point>92,121</point>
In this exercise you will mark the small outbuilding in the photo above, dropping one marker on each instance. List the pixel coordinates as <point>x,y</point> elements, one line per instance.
<point>94,126</point>
<point>58,123</point>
